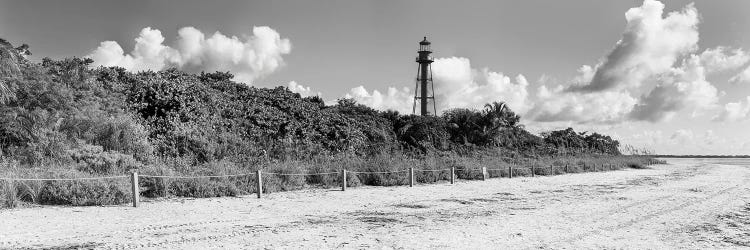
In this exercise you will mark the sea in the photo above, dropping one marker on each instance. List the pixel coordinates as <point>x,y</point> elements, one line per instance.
<point>722,161</point>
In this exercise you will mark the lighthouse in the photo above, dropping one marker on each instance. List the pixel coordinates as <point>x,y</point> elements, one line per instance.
<point>424,92</point>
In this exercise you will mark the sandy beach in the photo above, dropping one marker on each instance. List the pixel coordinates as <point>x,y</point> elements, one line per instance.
<point>685,204</point>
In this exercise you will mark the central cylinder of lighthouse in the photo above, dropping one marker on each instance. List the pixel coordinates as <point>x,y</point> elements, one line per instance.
<point>423,77</point>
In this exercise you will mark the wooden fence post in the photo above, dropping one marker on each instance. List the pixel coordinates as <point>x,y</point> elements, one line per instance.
<point>411,177</point>
<point>453,174</point>
<point>343,179</point>
<point>135,188</point>
<point>485,175</point>
<point>165,189</point>
<point>259,183</point>
<point>533,172</point>
<point>510,172</point>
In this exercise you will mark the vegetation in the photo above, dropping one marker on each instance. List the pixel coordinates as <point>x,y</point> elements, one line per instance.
<point>65,119</point>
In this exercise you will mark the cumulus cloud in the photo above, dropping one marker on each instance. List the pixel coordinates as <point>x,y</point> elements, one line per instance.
<point>250,58</point>
<point>735,111</point>
<point>650,45</point>
<point>743,76</point>
<point>685,87</point>
<point>458,85</point>
<point>400,100</point>
<point>722,59</point>
<point>649,51</point>
<point>559,105</point>
<point>302,90</point>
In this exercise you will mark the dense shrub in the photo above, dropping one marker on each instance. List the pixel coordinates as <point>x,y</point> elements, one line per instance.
<point>66,116</point>
<point>204,187</point>
<point>83,193</point>
<point>567,142</point>
<point>92,159</point>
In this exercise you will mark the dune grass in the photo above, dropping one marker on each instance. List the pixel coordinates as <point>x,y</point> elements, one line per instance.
<point>280,176</point>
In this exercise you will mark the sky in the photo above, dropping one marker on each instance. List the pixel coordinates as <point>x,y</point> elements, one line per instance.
<point>671,77</point>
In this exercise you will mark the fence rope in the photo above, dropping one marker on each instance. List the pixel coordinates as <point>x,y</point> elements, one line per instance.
<point>391,172</point>
<point>432,170</point>
<point>64,179</point>
<point>468,169</point>
<point>193,177</point>
<point>304,174</point>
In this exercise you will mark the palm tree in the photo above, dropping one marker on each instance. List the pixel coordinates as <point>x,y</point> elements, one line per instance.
<point>499,115</point>
<point>13,126</point>
<point>6,93</point>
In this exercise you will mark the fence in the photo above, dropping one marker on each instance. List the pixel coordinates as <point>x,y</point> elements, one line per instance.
<point>512,171</point>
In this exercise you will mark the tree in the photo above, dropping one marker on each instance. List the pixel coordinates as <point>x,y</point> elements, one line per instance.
<point>498,115</point>
<point>6,92</point>
<point>422,132</point>
<point>602,144</point>
<point>568,141</point>
<point>471,127</point>
<point>465,126</point>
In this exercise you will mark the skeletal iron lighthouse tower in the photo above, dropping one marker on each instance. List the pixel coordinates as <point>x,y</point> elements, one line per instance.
<point>424,81</point>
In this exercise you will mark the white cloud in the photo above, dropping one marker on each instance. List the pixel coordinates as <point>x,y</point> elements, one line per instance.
<point>743,76</point>
<point>650,45</point>
<point>400,100</point>
<point>109,53</point>
<point>735,111</point>
<point>250,58</point>
<point>458,85</point>
<point>684,87</point>
<point>688,138</point>
<point>302,90</point>
<point>647,53</point>
<point>559,105</point>
<point>682,136</point>
<point>585,75</point>
<point>721,59</point>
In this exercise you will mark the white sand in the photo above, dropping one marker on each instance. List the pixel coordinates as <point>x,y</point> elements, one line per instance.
<point>670,206</point>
